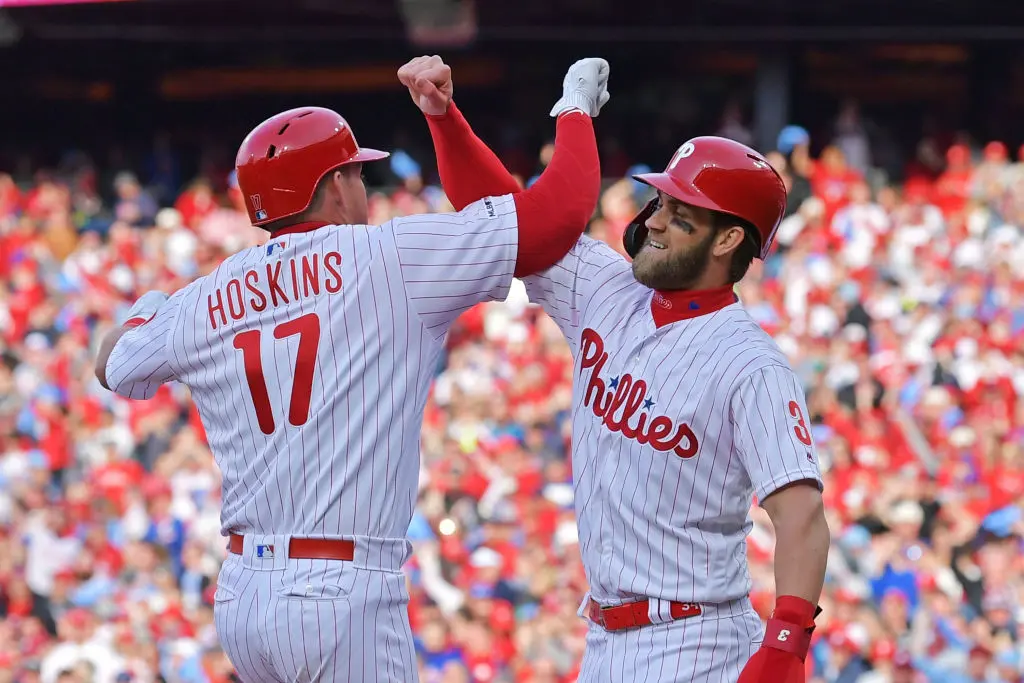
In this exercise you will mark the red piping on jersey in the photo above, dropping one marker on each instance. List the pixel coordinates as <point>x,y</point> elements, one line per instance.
<point>308,226</point>
<point>137,321</point>
<point>553,213</point>
<point>669,306</point>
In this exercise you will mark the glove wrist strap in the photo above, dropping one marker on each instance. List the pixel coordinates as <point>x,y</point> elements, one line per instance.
<point>788,637</point>
<point>574,99</point>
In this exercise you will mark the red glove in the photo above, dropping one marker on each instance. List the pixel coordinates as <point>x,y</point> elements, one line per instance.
<point>786,641</point>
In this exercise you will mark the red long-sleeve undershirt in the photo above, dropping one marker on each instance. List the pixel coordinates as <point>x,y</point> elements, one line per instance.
<point>553,212</point>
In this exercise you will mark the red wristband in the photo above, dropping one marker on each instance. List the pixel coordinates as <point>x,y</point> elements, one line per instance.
<point>790,627</point>
<point>782,635</point>
<point>135,322</point>
<point>795,610</point>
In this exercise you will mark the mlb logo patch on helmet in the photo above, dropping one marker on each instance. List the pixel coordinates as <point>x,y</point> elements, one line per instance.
<point>257,207</point>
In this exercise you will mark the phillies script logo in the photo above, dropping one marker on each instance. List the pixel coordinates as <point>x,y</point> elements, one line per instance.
<point>619,403</point>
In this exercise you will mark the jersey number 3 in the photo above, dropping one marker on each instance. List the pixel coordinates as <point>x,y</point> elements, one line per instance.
<point>248,342</point>
<point>801,426</point>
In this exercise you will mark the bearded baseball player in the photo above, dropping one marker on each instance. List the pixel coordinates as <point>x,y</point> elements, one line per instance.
<point>684,409</point>
<point>310,358</point>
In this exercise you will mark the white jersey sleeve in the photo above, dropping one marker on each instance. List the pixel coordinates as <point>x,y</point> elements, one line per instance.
<point>141,360</point>
<point>451,262</point>
<point>566,289</point>
<point>772,434</point>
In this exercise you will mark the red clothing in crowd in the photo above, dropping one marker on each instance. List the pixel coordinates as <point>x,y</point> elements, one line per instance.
<point>953,188</point>
<point>832,186</point>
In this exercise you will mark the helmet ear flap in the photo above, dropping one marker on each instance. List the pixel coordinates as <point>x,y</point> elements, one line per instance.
<point>636,232</point>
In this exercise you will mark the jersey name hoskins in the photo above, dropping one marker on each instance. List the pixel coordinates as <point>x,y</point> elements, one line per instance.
<point>619,401</point>
<point>275,284</point>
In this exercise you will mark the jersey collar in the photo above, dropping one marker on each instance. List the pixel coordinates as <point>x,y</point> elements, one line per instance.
<point>669,306</point>
<point>308,226</point>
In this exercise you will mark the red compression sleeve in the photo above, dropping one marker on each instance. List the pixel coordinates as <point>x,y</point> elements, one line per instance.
<point>468,168</point>
<point>554,212</point>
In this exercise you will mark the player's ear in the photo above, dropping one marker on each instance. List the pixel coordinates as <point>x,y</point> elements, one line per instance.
<point>333,186</point>
<point>728,240</point>
<point>338,179</point>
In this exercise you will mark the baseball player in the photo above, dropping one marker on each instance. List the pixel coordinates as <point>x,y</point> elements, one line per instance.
<point>310,358</point>
<point>684,409</point>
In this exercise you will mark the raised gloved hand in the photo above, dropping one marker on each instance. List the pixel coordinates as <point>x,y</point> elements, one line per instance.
<point>429,81</point>
<point>145,307</point>
<point>786,641</point>
<point>585,87</point>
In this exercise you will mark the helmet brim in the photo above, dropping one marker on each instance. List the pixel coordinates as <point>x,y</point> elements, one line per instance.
<point>685,194</point>
<point>367,154</point>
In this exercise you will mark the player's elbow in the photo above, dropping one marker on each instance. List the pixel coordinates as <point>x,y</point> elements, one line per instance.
<point>798,514</point>
<point>555,210</point>
<point>549,225</point>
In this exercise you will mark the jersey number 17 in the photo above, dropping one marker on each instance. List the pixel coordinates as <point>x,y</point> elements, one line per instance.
<point>249,342</point>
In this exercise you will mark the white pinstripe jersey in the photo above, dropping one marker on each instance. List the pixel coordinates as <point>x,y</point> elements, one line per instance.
<point>310,359</point>
<point>675,428</point>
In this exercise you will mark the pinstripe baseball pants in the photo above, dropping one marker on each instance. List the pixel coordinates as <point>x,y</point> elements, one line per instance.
<point>710,648</point>
<point>287,620</point>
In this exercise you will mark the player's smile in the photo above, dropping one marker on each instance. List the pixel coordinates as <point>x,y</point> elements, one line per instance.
<point>677,246</point>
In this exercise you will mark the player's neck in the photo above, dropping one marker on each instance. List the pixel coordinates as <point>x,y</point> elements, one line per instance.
<point>311,220</point>
<point>672,305</point>
<point>295,228</point>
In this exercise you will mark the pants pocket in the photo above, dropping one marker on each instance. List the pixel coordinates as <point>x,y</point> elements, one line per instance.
<point>333,585</point>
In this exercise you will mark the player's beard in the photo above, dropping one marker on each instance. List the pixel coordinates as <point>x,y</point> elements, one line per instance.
<point>675,271</point>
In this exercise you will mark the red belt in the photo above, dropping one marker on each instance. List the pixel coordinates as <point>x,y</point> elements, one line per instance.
<point>634,614</point>
<point>306,548</point>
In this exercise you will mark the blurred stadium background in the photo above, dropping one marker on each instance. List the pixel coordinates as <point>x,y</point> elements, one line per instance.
<point>897,290</point>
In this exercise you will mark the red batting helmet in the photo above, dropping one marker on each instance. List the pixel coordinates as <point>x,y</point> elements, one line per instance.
<point>282,160</point>
<point>720,175</point>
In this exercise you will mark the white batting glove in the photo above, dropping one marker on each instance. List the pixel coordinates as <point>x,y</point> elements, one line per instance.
<point>147,305</point>
<point>585,87</point>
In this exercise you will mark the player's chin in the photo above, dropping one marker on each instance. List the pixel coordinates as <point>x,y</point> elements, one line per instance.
<point>646,269</point>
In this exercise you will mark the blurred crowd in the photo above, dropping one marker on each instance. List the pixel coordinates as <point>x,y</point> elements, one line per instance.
<point>900,306</point>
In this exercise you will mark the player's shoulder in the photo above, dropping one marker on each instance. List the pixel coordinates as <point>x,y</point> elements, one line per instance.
<point>598,250</point>
<point>231,267</point>
<point>758,349</point>
<point>499,210</point>
<point>227,268</point>
<point>598,263</point>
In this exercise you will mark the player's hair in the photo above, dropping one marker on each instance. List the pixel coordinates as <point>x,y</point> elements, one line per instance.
<point>749,248</point>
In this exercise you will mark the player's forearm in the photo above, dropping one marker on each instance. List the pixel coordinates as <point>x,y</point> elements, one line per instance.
<point>801,546</point>
<point>468,168</point>
<point>554,212</point>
